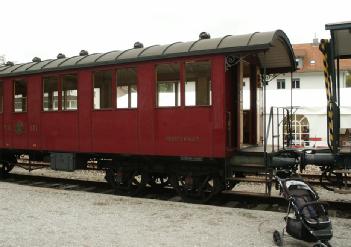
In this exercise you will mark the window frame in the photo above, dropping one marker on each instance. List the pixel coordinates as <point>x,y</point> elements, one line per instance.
<point>14,93</point>
<point>129,89</point>
<point>60,78</point>
<point>182,71</point>
<point>211,81</point>
<point>58,92</point>
<point>112,88</point>
<point>61,90</point>
<point>177,89</point>
<point>293,83</point>
<point>300,130</point>
<point>280,83</point>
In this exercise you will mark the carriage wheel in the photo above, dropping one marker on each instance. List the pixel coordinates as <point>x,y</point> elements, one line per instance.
<point>211,186</point>
<point>137,181</point>
<point>277,238</point>
<point>158,180</point>
<point>117,179</point>
<point>331,180</point>
<point>197,189</point>
<point>126,182</point>
<point>5,168</point>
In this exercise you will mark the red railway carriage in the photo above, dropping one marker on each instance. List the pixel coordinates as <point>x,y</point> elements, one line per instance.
<point>144,112</point>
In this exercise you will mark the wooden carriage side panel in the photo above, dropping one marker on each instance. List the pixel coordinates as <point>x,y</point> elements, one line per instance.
<point>2,115</point>
<point>19,120</point>
<point>2,130</point>
<point>7,113</point>
<point>34,112</point>
<point>146,108</point>
<point>219,106</point>
<point>58,128</point>
<point>85,106</point>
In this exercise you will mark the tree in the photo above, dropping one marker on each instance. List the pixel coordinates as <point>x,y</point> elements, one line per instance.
<point>2,59</point>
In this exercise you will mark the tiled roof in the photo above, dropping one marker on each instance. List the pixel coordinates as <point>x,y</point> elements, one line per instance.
<point>310,52</point>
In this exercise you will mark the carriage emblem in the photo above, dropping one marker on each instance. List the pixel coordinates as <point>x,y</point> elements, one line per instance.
<point>19,128</point>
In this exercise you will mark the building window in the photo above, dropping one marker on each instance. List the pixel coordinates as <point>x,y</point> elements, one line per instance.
<point>198,83</point>
<point>20,96</point>
<point>126,88</point>
<point>168,85</point>
<point>281,84</point>
<point>1,97</point>
<point>296,83</point>
<point>50,94</point>
<point>69,93</point>
<point>103,90</point>
<point>300,131</point>
<point>348,79</point>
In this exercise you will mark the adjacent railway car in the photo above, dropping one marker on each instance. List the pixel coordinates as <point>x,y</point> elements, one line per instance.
<point>148,115</point>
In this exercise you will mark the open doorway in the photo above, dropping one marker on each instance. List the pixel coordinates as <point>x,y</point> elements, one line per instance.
<point>251,88</point>
<point>243,109</point>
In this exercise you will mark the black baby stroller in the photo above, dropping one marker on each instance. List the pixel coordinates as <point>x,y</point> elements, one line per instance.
<point>309,221</point>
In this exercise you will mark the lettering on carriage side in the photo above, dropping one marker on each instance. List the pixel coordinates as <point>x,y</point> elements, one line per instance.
<point>182,138</point>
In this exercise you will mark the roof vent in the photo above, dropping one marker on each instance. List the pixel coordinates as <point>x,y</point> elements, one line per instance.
<point>9,63</point>
<point>36,59</point>
<point>204,35</point>
<point>83,53</point>
<point>138,45</point>
<point>61,55</point>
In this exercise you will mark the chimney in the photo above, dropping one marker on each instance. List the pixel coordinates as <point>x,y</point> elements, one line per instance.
<point>315,42</point>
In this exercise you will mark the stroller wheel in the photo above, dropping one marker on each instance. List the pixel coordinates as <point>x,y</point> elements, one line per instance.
<point>277,238</point>
<point>322,244</point>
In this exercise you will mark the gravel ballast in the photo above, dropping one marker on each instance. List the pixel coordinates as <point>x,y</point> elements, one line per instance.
<point>34,216</point>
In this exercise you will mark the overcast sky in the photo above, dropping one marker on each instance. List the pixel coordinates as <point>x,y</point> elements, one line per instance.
<point>45,28</point>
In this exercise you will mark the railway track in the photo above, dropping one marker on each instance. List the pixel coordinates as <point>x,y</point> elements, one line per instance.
<point>313,179</point>
<point>233,199</point>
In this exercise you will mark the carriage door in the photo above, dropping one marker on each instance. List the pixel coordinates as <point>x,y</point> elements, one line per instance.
<point>234,125</point>
<point>241,104</point>
<point>251,105</point>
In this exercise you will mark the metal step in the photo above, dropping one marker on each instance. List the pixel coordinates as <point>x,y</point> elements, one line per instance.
<point>249,168</point>
<point>244,159</point>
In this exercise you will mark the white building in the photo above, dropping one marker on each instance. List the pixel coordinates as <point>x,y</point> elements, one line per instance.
<point>305,89</point>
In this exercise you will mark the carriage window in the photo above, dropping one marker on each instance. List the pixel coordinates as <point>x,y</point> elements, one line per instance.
<point>168,85</point>
<point>103,90</point>
<point>20,96</point>
<point>198,83</point>
<point>69,93</point>
<point>50,94</point>
<point>126,88</point>
<point>1,96</point>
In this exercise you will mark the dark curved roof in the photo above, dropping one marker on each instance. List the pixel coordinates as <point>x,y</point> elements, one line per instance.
<point>272,48</point>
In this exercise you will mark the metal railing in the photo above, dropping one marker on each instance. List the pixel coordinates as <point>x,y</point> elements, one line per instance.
<point>280,119</point>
